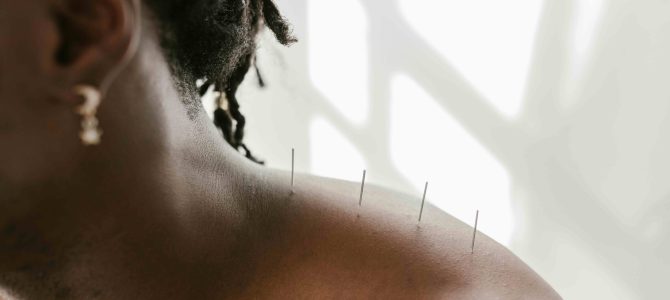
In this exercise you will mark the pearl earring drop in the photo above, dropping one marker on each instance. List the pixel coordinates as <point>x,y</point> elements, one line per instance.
<point>91,133</point>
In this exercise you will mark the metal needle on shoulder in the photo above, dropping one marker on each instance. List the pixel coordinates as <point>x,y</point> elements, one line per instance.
<point>292,169</point>
<point>423,201</point>
<point>474,234</point>
<point>360,200</point>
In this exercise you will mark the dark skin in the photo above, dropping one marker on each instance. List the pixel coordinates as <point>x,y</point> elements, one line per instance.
<point>164,208</point>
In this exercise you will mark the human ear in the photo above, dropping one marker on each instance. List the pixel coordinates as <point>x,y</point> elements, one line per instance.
<point>96,39</point>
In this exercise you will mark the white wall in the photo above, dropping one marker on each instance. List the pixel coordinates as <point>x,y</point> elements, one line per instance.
<point>549,116</point>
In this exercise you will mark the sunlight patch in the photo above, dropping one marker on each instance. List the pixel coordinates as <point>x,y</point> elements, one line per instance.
<point>585,26</point>
<point>429,144</point>
<point>489,41</point>
<point>332,155</point>
<point>338,55</point>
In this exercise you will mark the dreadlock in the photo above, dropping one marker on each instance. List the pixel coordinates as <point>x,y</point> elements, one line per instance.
<point>215,41</point>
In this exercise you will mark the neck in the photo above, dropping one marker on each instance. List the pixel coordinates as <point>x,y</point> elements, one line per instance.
<point>136,200</point>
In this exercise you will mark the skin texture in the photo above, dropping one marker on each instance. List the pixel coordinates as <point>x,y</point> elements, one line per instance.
<point>165,209</point>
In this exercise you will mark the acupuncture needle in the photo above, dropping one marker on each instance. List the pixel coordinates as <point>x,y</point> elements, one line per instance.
<point>423,201</point>
<point>292,170</point>
<point>360,200</point>
<point>474,234</point>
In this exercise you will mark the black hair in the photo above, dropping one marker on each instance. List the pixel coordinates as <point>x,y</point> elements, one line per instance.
<point>215,41</point>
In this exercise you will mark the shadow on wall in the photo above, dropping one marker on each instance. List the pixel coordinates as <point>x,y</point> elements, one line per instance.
<point>587,159</point>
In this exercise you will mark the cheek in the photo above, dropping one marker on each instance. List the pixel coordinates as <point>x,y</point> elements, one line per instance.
<point>37,149</point>
<point>38,137</point>
<point>26,43</point>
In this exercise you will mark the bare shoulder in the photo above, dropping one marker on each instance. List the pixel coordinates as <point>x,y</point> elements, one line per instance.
<point>379,249</point>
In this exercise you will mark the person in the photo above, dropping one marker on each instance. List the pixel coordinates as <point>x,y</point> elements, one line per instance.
<point>115,185</point>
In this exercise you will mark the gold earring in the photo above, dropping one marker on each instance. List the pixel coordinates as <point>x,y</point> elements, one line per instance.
<point>91,133</point>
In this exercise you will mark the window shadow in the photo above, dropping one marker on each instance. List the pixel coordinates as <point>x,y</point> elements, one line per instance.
<point>592,177</point>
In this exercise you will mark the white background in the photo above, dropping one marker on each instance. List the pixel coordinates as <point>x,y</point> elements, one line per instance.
<point>551,117</point>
